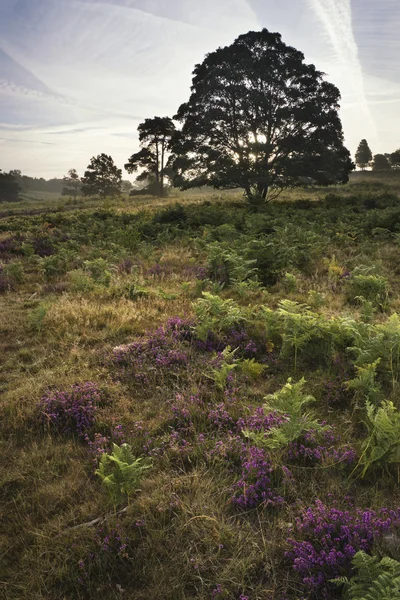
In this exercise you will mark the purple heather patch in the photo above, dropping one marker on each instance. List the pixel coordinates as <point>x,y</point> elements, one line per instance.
<point>331,537</point>
<point>72,411</point>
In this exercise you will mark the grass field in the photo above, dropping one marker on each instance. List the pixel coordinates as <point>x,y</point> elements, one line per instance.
<point>249,358</point>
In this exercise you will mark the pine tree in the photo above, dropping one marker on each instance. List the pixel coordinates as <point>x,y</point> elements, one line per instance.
<point>363,155</point>
<point>73,184</point>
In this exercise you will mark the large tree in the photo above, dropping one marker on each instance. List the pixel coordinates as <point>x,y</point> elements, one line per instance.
<point>363,155</point>
<point>72,184</point>
<point>380,163</point>
<point>155,140</point>
<point>259,118</point>
<point>102,177</point>
<point>9,187</point>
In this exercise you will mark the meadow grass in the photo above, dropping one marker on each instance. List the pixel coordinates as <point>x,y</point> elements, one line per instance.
<point>183,314</point>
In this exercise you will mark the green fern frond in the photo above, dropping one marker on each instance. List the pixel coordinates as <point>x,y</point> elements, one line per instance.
<point>374,579</point>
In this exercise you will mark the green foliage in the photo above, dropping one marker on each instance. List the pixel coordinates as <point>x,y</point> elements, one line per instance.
<point>216,315</point>
<point>233,265</point>
<point>365,385</point>
<point>380,341</point>
<point>14,271</point>
<point>374,579</point>
<point>251,368</point>
<point>121,472</point>
<point>290,402</point>
<point>308,332</point>
<point>54,266</point>
<point>289,283</point>
<point>220,375</point>
<point>382,447</point>
<point>37,316</point>
<point>315,299</point>
<point>371,288</point>
<point>99,270</point>
<point>80,281</point>
<point>102,177</point>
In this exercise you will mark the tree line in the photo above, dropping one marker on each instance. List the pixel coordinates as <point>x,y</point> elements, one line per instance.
<point>377,162</point>
<point>258,118</point>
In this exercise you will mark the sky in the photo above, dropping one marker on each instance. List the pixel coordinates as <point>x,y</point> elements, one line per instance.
<point>78,76</point>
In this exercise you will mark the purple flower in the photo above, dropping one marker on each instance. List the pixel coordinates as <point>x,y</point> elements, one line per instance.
<point>72,411</point>
<point>329,539</point>
<point>254,486</point>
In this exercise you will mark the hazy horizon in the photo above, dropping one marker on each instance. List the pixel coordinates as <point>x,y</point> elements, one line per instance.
<point>78,76</point>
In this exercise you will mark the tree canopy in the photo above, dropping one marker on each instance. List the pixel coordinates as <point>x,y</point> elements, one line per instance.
<point>9,188</point>
<point>363,155</point>
<point>395,159</point>
<point>155,140</point>
<point>258,118</point>
<point>102,177</point>
<point>72,184</point>
<point>380,163</point>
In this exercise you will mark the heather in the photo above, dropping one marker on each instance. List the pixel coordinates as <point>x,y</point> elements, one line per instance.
<point>200,397</point>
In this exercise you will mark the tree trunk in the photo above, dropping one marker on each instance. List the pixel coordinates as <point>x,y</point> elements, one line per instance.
<point>162,168</point>
<point>264,193</point>
<point>157,165</point>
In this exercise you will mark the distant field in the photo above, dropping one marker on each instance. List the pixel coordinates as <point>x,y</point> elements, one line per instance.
<point>250,358</point>
<point>43,201</point>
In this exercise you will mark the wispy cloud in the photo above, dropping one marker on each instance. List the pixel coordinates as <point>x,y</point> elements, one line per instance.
<point>336,17</point>
<point>77,76</point>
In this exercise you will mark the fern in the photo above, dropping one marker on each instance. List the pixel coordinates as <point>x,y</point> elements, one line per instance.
<point>290,401</point>
<point>121,472</point>
<point>382,446</point>
<point>216,315</point>
<point>374,580</point>
<point>250,368</point>
<point>365,384</point>
<point>304,330</point>
<point>381,341</point>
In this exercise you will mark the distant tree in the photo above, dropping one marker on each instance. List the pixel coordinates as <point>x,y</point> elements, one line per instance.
<point>9,188</point>
<point>363,155</point>
<point>380,163</point>
<point>394,159</point>
<point>102,177</point>
<point>155,137</point>
<point>126,186</point>
<point>73,184</point>
<point>259,119</point>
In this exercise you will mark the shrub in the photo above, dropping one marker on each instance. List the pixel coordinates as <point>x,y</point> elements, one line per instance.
<point>53,266</point>
<point>330,539</point>
<point>98,270</point>
<point>14,272</point>
<point>72,411</point>
<point>80,281</point>
<point>372,288</point>
<point>254,486</point>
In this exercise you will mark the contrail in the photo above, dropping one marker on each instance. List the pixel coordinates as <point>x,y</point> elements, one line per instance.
<point>337,19</point>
